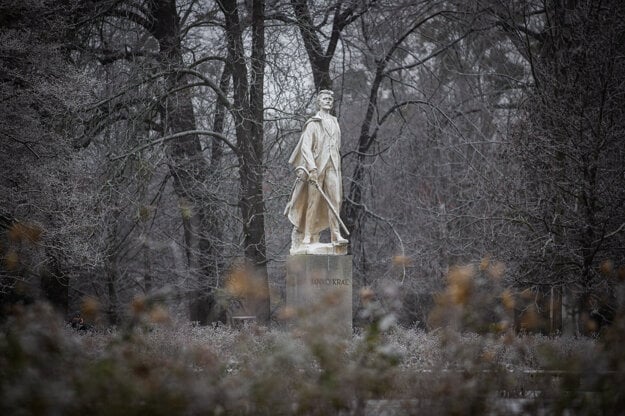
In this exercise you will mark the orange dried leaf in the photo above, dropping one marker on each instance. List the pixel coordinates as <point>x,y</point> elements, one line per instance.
<point>138,304</point>
<point>606,267</point>
<point>11,260</point>
<point>507,299</point>
<point>89,308</point>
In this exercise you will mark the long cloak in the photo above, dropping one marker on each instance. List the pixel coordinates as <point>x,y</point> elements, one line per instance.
<point>313,150</point>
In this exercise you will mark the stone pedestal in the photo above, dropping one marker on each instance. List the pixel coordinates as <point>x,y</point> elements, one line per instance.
<point>323,249</point>
<point>319,291</point>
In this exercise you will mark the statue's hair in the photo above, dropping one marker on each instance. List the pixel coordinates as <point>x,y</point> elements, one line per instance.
<point>320,94</point>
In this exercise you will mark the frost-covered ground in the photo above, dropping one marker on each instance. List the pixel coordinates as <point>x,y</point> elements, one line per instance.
<point>172,368</point>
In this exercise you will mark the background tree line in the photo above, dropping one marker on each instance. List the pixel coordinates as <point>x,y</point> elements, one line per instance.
<point>144,144</point>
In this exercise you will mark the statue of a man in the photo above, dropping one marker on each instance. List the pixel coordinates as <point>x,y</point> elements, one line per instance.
<point>316,198</point>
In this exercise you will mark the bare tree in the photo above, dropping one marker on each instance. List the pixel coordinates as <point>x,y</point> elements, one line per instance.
<point>247,111</point>
<point>159,99</point>
<point>570,198</point>
<point>320,58</point>
<point>41,91</point>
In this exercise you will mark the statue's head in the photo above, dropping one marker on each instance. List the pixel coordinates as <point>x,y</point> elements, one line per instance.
<point>325,99</point>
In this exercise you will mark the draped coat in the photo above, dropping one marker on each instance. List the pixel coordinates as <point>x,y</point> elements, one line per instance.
<point>317,148</point>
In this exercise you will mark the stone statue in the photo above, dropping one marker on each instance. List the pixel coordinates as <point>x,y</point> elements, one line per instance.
<point>315,201</point>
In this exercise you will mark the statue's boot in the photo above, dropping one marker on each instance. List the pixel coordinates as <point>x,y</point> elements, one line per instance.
<point>310,239</point>
<point>338,239</point>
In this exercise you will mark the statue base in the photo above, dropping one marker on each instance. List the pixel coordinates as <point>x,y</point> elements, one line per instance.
<point>323,249</point>
<point>319,292</point>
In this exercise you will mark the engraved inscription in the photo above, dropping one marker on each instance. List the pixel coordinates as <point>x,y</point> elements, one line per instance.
<point>330,282</point>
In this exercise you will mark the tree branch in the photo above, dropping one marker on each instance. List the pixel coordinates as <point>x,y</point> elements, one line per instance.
<point>23,143</point>
<point>388,222</point>
<point>220,94</point>
<point>108,56</point>
<point>430,56</point>
<point>133,17</point>
<point>213,134</point>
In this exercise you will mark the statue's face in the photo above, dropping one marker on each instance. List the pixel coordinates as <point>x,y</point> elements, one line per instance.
<point>325,101</point>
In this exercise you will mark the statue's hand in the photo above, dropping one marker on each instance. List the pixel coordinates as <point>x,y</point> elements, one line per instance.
<point>300,174</point>
<point>312,176</point>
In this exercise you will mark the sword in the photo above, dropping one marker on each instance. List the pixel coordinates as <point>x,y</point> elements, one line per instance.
<point>323,194</point>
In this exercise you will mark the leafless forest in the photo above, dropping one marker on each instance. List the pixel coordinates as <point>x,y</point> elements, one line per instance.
<point>144,147</point>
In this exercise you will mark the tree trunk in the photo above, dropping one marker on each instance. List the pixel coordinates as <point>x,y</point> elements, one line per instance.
<point>55,282</point>
<point>189,168</point>
<point>319,59</point>
<point>248,117</point>
<point>205,307</point>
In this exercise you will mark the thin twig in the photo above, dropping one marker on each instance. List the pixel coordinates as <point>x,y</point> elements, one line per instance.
<point>175,136</point>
